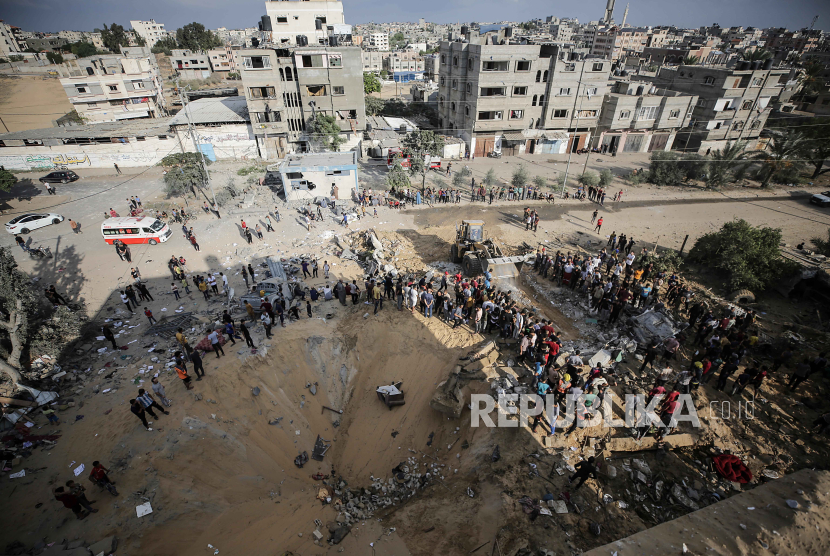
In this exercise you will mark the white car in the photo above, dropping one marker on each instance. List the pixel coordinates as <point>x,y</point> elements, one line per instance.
<point>25,223</point>
<point>821,199</point>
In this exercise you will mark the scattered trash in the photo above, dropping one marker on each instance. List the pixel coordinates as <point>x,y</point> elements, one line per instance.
<point>143,509</point>
<point>792,503</point>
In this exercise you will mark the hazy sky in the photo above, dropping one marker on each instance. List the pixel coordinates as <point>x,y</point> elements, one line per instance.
<point>85,15</point>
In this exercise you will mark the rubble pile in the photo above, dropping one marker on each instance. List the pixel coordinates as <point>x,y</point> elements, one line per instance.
<point>448,398</point>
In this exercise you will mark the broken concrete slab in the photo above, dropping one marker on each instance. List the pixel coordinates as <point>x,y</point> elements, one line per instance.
<point>104,546</point>
<point>627,444</point>
<point>559,506</point>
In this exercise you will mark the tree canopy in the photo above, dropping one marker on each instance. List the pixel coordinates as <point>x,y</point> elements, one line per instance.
<point>520,176</point>
<point>195,37</point>
<point>81,49</point>
<point>165,46</point>
<point>185,173</point>
<point>326,132</point>
<point>397,176</point>
<point>417,145</point>
<point>114,37</point>
<point>747,257</point>
<point>7,180</point>
<point>371,84</point>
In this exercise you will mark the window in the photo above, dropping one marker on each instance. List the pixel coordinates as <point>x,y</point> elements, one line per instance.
<point>442,80</point>
<point>545,77</point>
<point>265,117</point>
<point>90,71</point>
<point>747,105</point>
<point>338,90</point>
<point>256,62</point>
<point>452,107</point>
<point>625,114</point>
<point>597,66</point>
<point>495,66</point>
<point>194,62</point>
<point>315,90</point>
<point>523,65</point>
<point>312,61</point>
<point>570,67</point>
<point>455,83</point>
<point>490,115</point>
<point>467,110</point>
<point>538,76</point>
<point>335,61</point>
<point>492,92</point>
<point>322,18</point>
<point>470,64</point>
<point>455,61</point>
<point>674,114</point>
<point>564,92</point>
<point>138,84</point>
<point>535,99</point>
<point>647,113</point>
<point>587,114</point>
<point>92,105</point>
<point>590,91</point>
<point>113,88</point>
<point>443,58</point>
<point>282,19</point>
<point>701,103</point>
<point>469,88</point>
<point>541,100</point>
<point>559,114</point>
<point>517,114</point>
<point>140,139</point>
<point>519,91</point>
<point>757,82</point>
<point>263,92</point>
<point>81,90</point>
<point>709,80</point>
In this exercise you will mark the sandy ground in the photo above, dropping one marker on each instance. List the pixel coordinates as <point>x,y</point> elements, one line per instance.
<point>29,102</point>
<point>216,471</point>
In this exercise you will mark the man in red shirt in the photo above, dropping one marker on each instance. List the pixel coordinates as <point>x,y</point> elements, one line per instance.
<point>99,473</point>
<point>70,501</point>
<point>599,225</point>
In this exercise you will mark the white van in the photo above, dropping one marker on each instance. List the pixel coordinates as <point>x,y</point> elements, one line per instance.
<point>138,229</point>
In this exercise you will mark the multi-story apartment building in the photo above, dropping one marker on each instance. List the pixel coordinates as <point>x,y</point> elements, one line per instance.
<point>561,32</point>
<point>9,44</point>
<point>111,87</point>
<point>733,104</point>
<point>285,88</point>
<point>804,40</point>
<point>613,42</point>
<point>190,65</point>
<point>405,61</point>
<point>221,59</point>
<point>372,60</point>
<point>379,41</point>
<point>52,43</point>
<point>285,21</point>
<point>639,117</point>
<point>519,98</point>
<point>150,31</point>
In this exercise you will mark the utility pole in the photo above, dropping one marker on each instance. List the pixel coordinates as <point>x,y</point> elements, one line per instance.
<point>192,133</point>
<point>576,137</point>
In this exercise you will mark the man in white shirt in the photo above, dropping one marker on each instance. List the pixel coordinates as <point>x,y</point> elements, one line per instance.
<point>214,342</point>
<point>629,260</point>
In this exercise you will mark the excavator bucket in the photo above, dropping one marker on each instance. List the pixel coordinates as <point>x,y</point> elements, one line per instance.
<point>505,269</point>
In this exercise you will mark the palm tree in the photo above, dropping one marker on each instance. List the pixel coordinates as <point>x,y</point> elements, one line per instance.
<point>691,60</point>
<point>784,154</point>
<point>722,161</point>
<point>756,55</point>
<point>810,78</point>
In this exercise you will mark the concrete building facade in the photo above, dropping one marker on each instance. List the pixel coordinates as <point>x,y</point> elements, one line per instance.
<point>284,88</point>
<point>112,88</point>
<point>379,41</point>
<point>519,98</point>
<point>638,117</point>
<point>46,44</point>
<point>9,44</point>
<point>150,31</point>
<point>286,20</point>
<point>191,65</point>
<point>732,105</point>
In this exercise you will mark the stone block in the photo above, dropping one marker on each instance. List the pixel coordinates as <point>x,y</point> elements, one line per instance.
<point>104,546</point>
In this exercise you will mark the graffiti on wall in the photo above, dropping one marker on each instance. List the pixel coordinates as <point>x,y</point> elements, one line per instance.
<point>44,161</point>
<point>50,162</point>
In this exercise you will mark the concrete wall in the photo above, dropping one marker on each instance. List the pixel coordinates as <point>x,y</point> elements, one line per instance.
<point>235,141</point>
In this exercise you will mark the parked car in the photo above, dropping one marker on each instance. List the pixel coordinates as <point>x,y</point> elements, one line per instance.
<point>25,223</point>
<point>821,199</point>
<point>62,176</point>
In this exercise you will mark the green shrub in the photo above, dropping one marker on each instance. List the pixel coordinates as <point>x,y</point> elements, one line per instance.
<point>664,169</point>
<point>605,177</point>
<point>693,165</point>
<point>636,178</point>
<point>667,260</point>
<point>589,179</point>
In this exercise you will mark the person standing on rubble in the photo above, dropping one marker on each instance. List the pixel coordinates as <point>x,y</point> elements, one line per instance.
<point>584,469</point>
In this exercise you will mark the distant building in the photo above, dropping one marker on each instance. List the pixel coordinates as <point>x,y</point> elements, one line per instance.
<point>733,103</point>
<point>9,44</point>
<point>112,87</point>
<point>406,61</point>
<point>304,23</point>
<point>379,41</point>
<point>47,44</point>
<point>311,175</point>
<point>372,60</point>
<point>221,60</point>
<point>150,31</point>
<point>190,65</point>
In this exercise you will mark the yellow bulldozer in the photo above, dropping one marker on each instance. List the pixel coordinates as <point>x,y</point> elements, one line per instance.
<point>477,254</point>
